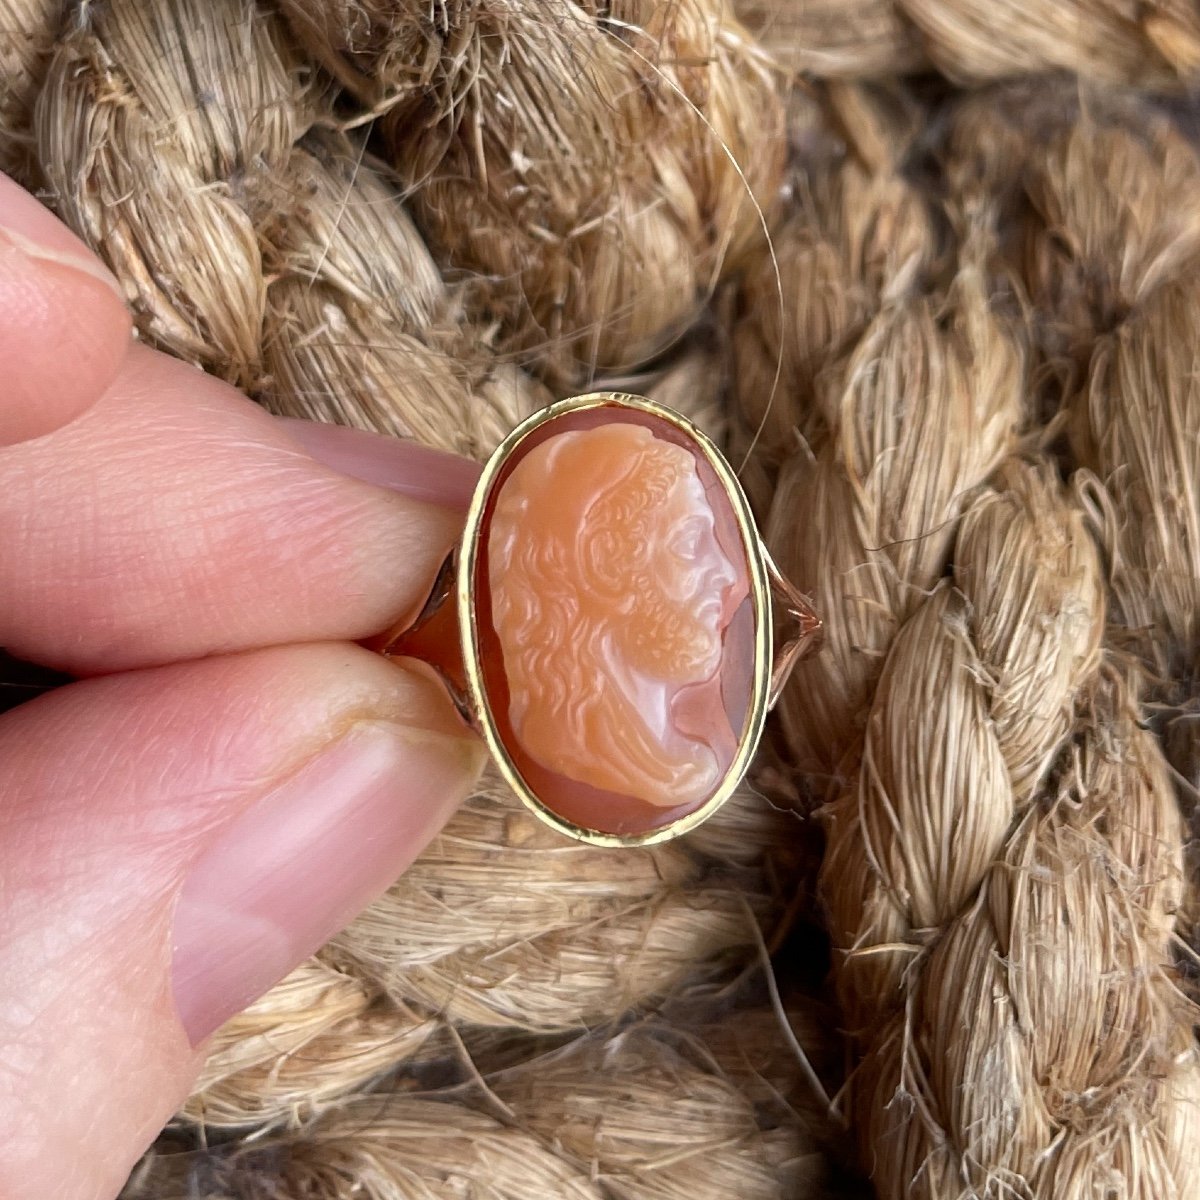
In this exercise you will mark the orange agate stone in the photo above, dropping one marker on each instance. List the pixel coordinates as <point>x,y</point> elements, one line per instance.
<point>617,633</point>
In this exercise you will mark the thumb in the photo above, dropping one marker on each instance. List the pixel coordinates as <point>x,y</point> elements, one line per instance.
<point>175,840</point>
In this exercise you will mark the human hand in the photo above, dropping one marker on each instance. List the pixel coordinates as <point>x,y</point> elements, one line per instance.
<point>232,779</point>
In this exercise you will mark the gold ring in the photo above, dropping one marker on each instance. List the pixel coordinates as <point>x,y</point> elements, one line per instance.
<point>608,621</point>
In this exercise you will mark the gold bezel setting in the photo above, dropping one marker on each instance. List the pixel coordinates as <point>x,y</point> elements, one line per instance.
<point>763,577</point>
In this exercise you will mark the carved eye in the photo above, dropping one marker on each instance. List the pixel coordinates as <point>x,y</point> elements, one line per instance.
<point>686,541</point>
<point>614,733</point>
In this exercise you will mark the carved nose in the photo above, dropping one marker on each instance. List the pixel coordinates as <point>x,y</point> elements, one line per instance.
<point>723,575</point>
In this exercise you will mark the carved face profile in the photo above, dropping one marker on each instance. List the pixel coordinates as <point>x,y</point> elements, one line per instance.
<point>610,595</point>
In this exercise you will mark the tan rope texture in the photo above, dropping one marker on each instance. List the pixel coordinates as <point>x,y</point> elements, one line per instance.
<point>959,378</point>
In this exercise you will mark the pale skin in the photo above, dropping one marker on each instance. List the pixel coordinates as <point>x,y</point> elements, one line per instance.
<point>206,568</point>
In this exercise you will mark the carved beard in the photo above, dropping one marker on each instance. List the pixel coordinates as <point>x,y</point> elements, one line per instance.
<point>663,638</point>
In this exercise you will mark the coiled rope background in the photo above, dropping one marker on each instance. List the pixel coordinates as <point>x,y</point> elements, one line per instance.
<point>931,268</point>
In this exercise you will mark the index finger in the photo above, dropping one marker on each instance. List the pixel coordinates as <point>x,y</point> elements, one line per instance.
<point>176,519</point>
<point>64,328</point>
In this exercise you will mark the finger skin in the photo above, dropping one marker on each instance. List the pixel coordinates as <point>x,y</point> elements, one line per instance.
<point>177,519</point>
<point>433,475</point>
<point>64,329</point>
<point>113,789</point>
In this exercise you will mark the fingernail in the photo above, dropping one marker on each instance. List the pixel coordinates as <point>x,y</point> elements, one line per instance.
<point>302,862</point>
<point>29,227</point>
<point>79,264</point>
<point>402,466</point>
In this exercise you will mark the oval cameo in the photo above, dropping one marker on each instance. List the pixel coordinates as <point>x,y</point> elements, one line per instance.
<point>614,622</point>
